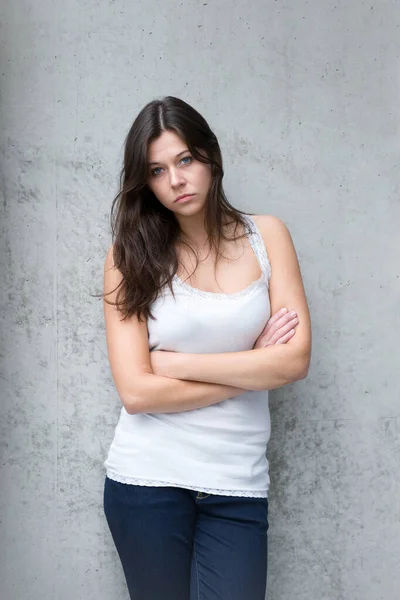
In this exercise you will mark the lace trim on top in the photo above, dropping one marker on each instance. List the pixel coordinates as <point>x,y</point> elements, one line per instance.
<point>215,491</point>
<point>257,243</point>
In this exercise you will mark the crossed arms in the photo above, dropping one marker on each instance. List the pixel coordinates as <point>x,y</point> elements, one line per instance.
<point>173,381</point>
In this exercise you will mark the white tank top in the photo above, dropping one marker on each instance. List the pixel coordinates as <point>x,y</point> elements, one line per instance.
<point>218,449</point>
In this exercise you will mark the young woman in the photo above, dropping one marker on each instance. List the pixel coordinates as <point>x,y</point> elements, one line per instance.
<point>190,284</point>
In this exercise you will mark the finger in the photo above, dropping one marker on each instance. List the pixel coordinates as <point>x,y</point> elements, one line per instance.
<point>281,326</point>
<point>286,337</point>
<point>263,342</point>
<point>283,330</point>
<point>277,321</point>
<point>277,316</point>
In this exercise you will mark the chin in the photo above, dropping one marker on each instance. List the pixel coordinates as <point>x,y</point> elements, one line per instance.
<point>189,208</point>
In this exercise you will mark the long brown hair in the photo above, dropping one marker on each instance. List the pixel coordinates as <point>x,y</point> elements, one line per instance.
<point>145,233</point>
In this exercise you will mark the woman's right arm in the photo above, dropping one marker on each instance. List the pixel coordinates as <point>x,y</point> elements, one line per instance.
<point>139,389</point>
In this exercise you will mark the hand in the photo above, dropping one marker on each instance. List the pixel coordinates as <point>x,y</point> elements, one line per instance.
<point>278,330</point>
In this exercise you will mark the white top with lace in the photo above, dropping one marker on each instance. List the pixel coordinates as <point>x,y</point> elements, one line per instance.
<point>218,449</point>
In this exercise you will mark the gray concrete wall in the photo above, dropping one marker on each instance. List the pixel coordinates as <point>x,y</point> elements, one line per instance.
<point>304,97</point>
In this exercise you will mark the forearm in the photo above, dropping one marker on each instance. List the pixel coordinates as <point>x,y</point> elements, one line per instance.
<point>259,369</point>
<point>157,394</point>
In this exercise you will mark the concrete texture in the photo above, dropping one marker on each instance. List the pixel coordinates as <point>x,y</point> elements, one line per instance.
<point>305,100</point>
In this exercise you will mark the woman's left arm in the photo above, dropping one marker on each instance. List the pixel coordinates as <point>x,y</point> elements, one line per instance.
<point>261,368</point>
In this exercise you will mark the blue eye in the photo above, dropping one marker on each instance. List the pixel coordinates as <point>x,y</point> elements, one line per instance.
<point>158,170</point>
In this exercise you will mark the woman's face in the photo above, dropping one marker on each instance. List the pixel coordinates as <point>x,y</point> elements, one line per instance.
<point>173,172</point>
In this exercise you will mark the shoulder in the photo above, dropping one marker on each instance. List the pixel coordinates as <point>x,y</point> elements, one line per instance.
<point>272,229</point>
<point>277,239</point>
<point>269,223</point>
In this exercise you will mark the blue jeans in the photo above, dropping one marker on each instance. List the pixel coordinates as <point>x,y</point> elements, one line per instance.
<point>179,544</point>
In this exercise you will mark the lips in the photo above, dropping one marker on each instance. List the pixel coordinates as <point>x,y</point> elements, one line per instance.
<point>183,197</point>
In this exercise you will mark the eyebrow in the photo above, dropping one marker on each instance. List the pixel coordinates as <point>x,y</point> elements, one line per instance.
<point>156,163</point>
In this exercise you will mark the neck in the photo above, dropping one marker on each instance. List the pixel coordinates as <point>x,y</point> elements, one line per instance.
<point>193,230</point>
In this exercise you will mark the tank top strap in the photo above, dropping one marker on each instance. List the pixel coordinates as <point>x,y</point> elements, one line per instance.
<point>257,242</point>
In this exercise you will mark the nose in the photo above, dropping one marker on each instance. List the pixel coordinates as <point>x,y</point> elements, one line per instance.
<point>176,178</point>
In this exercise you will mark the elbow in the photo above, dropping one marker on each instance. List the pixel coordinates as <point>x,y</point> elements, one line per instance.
<point>134,401</point>
<point>302,374</point>
<point>131,404</point>
<point>293,371</point>
<point>302,366</point>
<point>135,398</point>
<point>293,366</point>
<point>132,408</point>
